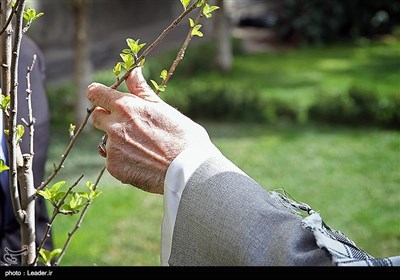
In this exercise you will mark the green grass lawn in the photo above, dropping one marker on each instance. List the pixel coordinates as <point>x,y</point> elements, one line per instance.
<point>351,176</point>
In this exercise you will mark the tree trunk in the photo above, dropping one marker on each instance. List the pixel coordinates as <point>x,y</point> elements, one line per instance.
<point>82,63</point>
<point>28,235</point>
<point>224,54</point>
<point>21,175</point>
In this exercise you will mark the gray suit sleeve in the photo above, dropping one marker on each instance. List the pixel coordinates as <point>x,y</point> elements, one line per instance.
<point>226,219</point>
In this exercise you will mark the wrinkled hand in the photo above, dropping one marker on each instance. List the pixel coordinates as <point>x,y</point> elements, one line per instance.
<point>145,134</point>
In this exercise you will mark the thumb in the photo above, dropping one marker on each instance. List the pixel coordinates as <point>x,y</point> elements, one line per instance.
<point>137,85</point>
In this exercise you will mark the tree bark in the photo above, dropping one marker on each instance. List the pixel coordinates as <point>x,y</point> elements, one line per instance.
<point>28,235</point>
<point>6,46</point>
<point>21,175</point>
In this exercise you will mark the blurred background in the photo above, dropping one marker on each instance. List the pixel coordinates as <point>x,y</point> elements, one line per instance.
<point>301,94</point>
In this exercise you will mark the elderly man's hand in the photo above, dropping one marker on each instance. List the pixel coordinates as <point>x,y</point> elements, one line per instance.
<point>144,133</point>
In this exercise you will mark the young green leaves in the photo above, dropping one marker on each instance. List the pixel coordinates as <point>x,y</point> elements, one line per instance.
<point>185,3</point>
<point>19,132</point>
<point>207,10</point>
<point>4,102</point>
<point>129,56</point>
<point>70,202</point>
<point>195,28</point>
<point>3,166</point>
<point>30,15</point>
<point>163,76</point>
<point>46,256</point>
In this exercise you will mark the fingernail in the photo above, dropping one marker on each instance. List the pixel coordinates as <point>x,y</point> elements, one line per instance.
<point>92,85</point>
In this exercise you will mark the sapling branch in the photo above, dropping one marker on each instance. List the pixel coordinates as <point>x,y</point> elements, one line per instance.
<point>9,18</point>
<point>14,149</point>
<point>79,222</point>
<point>181,52</point>
<point>31,123</point>
<point>56,212</point>
<point>64,156</point>
<point>154,44</point>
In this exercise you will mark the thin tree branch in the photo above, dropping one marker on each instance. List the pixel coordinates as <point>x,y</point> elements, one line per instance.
<point>8,21</point>
<point>79,222</point>
<point>181,52</point>
<point>147,51</point>
<point>14,150</point>
<point>56,212</point>
<point>30,111</point>
<point>21,165</point>
<point>67,151</point>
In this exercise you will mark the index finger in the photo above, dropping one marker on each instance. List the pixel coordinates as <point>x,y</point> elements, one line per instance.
<point>103,96</point>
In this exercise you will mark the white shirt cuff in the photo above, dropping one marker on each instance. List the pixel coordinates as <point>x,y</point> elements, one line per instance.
<point>177,176</point>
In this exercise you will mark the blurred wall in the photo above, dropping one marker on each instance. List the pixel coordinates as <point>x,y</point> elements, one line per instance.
<point>110,23</point>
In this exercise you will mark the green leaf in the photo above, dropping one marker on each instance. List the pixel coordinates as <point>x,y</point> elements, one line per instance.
<point>141,63</point>
<point>207,10</point>
<point>84,195</point>
<point>66,209</point>
<point>46,256</point>
<point>55,253</point>
<point>164,74</point>
<point>196,32</point>
<point>191,22</point>
<point>140,47</point>
<point>27,15</point>
<point>46,193</point>
<point>134,45</point>
<point>126,57</point>
<point>128,61</point>
<point>76,201</point>
<point>52,194</point>
<point>3,166</point>
<point>4,101</point>
<point>20,132</point>
<point>94,194</point>
<point>30,15</point>
<point>71,130</point>
<point>90,185</point>
<point>126,51</point>
<point>185,3</point>
<point>39,15</point>
<point>117,69</point>
<point>157,86</point>
<point>57,197</point>
<point>200,3</point>
<point>55,187</point>
<point>154,84</point>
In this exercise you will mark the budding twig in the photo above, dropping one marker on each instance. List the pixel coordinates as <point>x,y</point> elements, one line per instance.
<point>181,52</point>
<point>31,122</point>
<point>56,212</point>
<point>79,222</point>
